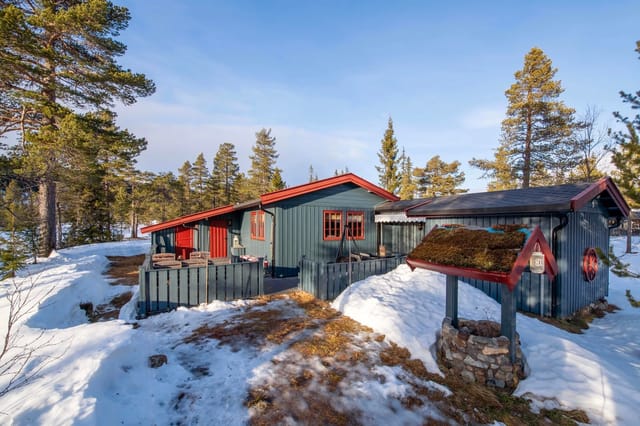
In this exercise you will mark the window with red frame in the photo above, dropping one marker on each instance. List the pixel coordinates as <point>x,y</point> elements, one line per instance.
<point>355,224</point>
<point>332,225</point>
<point>257,225</point>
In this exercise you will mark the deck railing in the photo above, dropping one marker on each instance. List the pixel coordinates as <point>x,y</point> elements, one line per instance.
<point>327,280</point>
<point>163,289</point>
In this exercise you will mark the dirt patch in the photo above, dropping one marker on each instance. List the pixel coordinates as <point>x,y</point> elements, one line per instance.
<point>327,357</point>
<point>107,311</point>
<point>124,269</point>
<point>579,321</point>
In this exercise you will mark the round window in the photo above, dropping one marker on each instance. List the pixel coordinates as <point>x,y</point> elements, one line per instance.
<point>590,264</point>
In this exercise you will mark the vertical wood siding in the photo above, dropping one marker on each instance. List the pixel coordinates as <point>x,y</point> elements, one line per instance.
<point>534,293</point>
<point>327,280</point>
<point>165,289</point>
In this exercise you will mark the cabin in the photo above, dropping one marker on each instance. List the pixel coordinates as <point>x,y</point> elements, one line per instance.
<point>576,219</point>
<point>280,227</point>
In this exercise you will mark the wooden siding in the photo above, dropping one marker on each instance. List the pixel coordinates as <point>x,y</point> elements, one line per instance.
<point>165,289</point>
<point>534,293</point>
<point>588,228</point>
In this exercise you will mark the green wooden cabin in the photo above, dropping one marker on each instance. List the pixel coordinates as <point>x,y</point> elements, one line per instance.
<point>574,218</point>
<point>281,227</point>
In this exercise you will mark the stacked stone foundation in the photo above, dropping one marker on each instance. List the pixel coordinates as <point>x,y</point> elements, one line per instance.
<point>479,354</point>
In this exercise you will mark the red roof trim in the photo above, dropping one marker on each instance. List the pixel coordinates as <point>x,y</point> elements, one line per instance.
<point>284,194</point>
<point>510,279</point>
<point>195,217</point>
<point>593,190</point>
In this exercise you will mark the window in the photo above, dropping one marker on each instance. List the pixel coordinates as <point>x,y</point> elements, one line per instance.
<point>355,224</point>
<point>257,225</point>
<point>332,224</point>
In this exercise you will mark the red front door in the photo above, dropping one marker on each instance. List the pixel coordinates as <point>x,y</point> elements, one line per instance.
<point>218,238</point>
<point>184,242</point>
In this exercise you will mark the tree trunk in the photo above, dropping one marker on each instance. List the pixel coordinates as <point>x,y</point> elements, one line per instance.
<point>629,233</point>
<point>59,225</point>
<point>526,168</point>
<point>134,222</point>
<point>47,216</point>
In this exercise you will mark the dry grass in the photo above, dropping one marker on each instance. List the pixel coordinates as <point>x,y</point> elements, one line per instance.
<point>325,353</point>
<point>472,248</point>
<point>635,303</point>
<point>124,269</point>
<point>579,321</point>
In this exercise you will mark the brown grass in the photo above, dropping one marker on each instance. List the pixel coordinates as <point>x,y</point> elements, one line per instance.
<point>579,321</point>
<point>124,269</point>
<point>347,353</point>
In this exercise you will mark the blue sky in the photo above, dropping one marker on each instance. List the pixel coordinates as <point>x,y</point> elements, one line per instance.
<point>326,75</point>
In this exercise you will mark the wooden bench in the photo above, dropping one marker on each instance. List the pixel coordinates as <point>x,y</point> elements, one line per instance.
<point>199,255</point>
<point>171,264</point>
<point>159,257</point>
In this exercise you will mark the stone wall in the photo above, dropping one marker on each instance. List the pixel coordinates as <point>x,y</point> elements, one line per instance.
<point>479,354</point>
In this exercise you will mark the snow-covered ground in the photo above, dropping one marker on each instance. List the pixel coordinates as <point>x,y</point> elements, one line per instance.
<point>98,373</point>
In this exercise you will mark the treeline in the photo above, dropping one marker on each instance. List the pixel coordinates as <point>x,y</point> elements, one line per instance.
<point>71,176</point>
<point>542,142</point>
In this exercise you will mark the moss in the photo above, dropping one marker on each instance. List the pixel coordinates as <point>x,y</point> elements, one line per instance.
<point>488,250</point>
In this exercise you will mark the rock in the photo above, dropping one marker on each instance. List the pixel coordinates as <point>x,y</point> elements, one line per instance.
<point>488,350</point>
<point>157,361</point>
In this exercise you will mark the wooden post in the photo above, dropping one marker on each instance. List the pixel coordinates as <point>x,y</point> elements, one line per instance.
<point>452,300</point>
<point>508,320</point>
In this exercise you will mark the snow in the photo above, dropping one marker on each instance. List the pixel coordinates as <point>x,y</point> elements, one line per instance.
<point>98,373</point>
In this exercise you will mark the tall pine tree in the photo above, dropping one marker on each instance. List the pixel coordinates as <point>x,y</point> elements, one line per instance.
<point>202,197</point>
<point>56,56</point>
<point>536,133</point>
<point>388,170</point>
<point>224,176</point>
<point>263,164</point>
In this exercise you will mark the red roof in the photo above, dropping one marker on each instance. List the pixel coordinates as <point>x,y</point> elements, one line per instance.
<point>274,197</point>
<point>307,188</point>
<point>511,278</point>
<point>595,189</point>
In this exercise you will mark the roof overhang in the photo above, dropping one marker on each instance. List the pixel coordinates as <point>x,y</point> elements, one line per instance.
<point>603,185</point>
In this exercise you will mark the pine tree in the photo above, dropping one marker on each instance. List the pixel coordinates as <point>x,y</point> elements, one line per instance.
<point>224,176</point>
<point>263,162</point>
<point>408,185</point>
<point>439,178</point>
<point>626,153</point>
<point>633,99</point>
<point>200,178</point>
<point>56,56</point>
<point>277,183</point>
<point>389,163</point>
<point>498,170</point>
<point>185,195</point>
<point>19,238</point>
<point>537,129</point>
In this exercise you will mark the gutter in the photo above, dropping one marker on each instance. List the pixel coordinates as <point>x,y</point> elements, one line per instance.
<point>273,238</point>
